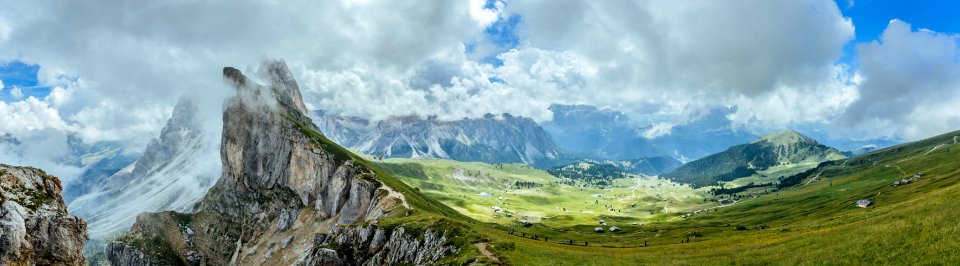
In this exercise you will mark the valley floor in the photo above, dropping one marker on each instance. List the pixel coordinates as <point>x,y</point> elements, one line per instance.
<point>507,193</point>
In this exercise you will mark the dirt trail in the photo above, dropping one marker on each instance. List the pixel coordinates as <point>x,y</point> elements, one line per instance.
<point>483,249</point>
<point>938,146</point>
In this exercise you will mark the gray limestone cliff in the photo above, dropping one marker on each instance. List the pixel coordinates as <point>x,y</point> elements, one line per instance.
<point>283,185</point>
<point>35,228</point>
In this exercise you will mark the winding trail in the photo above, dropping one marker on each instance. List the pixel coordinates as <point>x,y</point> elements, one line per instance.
<point>815,177</point>
<point>486,253</point>
<point>938,146</point>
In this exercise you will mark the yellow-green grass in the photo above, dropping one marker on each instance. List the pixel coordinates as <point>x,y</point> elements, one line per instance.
<point>770,175</point>
<point>474,188</point>
<point>815,223</point>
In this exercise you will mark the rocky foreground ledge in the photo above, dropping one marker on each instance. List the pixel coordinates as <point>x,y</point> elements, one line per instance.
<point>35,228</point>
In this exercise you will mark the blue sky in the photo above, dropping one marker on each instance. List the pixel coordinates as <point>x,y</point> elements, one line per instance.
<point>870,17</point>
<point>17,74</point>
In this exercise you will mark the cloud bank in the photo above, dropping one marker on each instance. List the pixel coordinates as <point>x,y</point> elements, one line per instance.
<point>117,67</point>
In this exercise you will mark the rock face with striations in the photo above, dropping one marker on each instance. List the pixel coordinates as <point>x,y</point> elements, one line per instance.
<point>174,173</point>
<point>283,187</point>
<point>35,228</point>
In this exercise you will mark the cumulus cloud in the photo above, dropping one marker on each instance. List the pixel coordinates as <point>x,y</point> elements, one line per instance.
<point>817,102</point>
<point>116,67</point>
<point>654,50</point>
<point>1,84</point>
<point>30,114</point>
<point>911,83</point>
<point>16,92</point>
<point>123,59</point>
<point>482,15</point>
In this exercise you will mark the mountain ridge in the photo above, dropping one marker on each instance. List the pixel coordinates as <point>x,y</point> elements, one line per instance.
<point>493,138</point>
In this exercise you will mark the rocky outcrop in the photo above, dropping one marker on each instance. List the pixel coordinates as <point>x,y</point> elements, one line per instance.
<point>375,246</point>
<point>35,228</point>
<point>282,183</point>
<point>120,254</point>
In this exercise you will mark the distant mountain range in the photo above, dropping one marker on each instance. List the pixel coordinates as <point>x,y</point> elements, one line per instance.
<point>493,138</point>
<point>609,134</point>
<point>859,151</point>
<point>784,149</point>
<point>576,133</point>
<point>647,166</point>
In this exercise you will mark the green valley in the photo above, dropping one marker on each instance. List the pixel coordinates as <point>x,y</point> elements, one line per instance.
<point>814,221</point>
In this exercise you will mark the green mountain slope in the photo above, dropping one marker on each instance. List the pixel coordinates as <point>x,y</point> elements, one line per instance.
<point>782,149</point>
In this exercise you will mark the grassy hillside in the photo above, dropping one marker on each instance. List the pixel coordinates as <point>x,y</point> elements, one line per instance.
<point>776,152</point>
<point>525,193</point>
<point>814,222</point>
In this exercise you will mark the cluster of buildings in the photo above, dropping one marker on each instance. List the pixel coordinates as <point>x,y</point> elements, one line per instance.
<point>906,180</point>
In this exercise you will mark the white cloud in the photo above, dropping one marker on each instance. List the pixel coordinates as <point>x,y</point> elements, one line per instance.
<point>911,83</point>
<point>483,16</point>
<point>28,115</point>
<point>16,92</point>
<point>4,29</point>
<point>116,65</point>
<point>786,105</point>
<point>115,76</point>
<point>657,130</point>
<point>1,84</point>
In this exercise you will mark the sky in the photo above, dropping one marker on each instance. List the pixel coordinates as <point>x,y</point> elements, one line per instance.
<point>112,70</point>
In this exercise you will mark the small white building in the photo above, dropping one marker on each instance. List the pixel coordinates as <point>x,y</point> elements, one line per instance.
<point>598,229</point>
<point>864,203</point>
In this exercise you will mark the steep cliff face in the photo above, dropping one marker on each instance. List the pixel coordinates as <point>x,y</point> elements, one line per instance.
<point>282,184</point>
<point>35,228</point>
<point>174,173</point>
